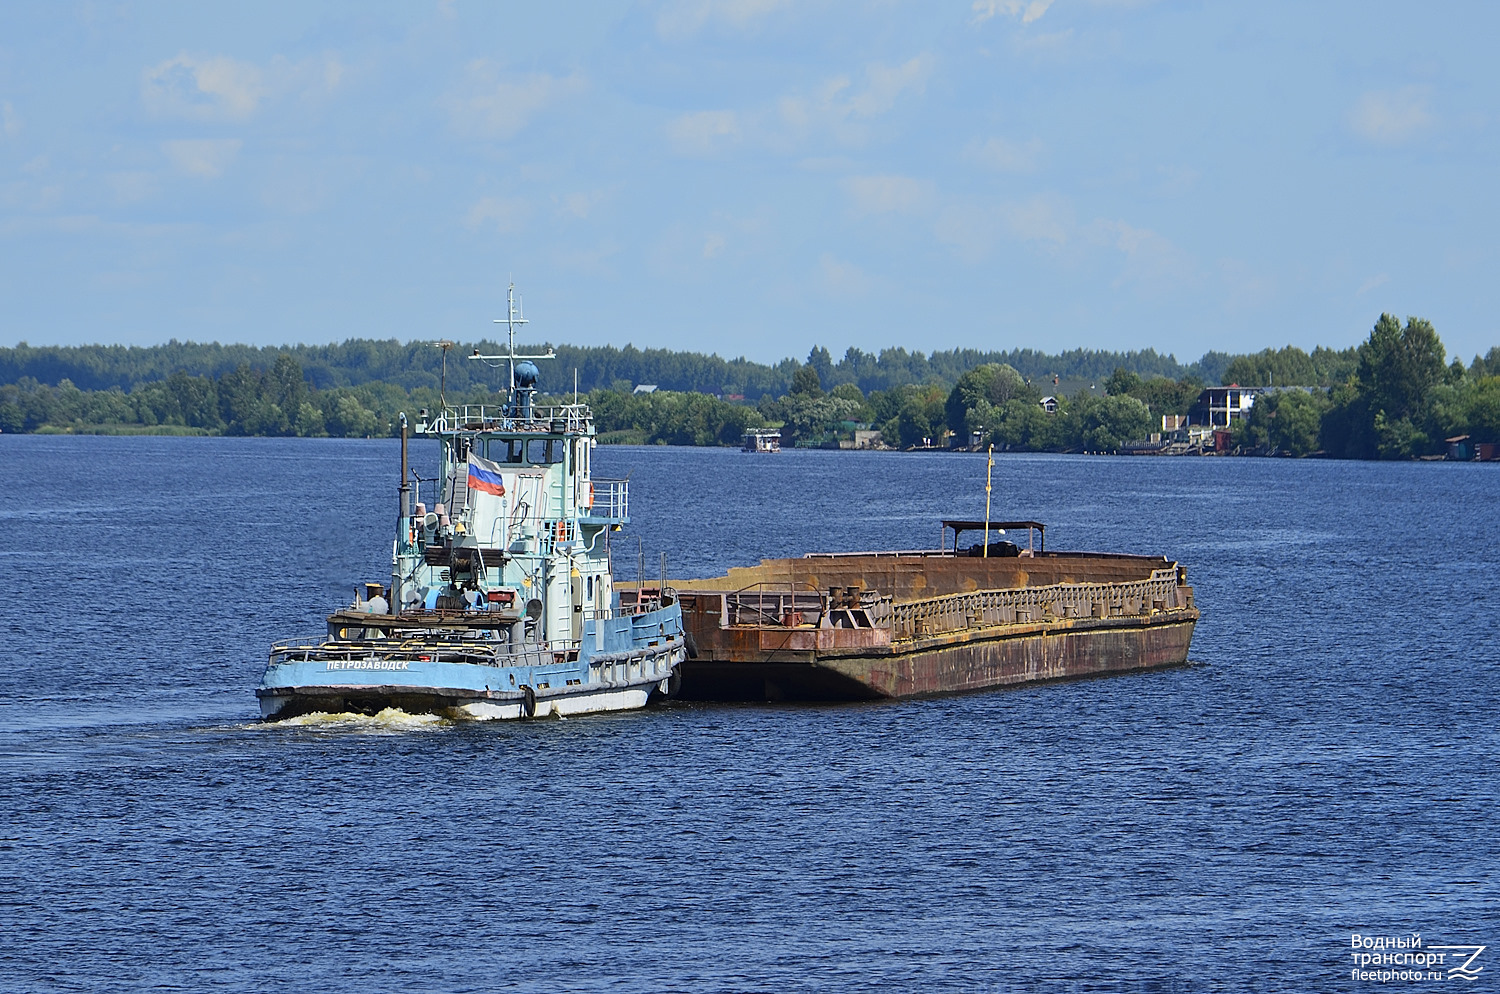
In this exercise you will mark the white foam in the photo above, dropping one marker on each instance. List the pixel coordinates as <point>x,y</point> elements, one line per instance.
<point>387,720</point>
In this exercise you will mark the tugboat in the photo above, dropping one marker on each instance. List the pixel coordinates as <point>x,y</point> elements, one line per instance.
<point>501,602</point>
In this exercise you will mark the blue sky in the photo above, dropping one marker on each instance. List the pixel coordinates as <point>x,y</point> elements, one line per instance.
<point>751,177</point>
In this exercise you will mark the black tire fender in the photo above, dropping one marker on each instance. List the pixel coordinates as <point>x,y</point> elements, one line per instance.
<point>528,701</point>
<point>691,644</point>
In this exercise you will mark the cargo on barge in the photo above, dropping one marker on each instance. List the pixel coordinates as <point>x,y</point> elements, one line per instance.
<point>848,626</point>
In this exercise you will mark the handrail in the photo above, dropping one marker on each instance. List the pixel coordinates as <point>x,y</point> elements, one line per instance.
<point>574,418</point>
<point>782,602</point>
<point>1019,605</point>
<point>610,499</point>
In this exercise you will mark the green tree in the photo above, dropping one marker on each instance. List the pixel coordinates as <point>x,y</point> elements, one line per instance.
<point>1398,367</point>
<point>1164,396</point>
<point>811,418</point>
<point>1288,422</point>
<point>1386,411</point>
<point>1122,383</point>
<point>1024,425</point>
<point>310,422</point>
<point>1482,409</point>
<point>994,385</point>
<point>805,381</point>
<point>348,418</point>
<point>1487,366</point>
<point>1104,424</point>
<point>821,363</point>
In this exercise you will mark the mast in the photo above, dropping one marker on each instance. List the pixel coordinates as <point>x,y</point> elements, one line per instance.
<point>405,485</point>
<point>511,320</point>
<point>989,470</point>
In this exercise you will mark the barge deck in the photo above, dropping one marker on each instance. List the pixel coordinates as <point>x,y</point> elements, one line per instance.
<point>929,622</point>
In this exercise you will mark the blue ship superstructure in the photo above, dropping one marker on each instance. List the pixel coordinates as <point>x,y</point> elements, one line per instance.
<point>502,603</point>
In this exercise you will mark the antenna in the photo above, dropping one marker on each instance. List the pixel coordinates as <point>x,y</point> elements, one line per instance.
<point>445,345</point>
<point>512,318</point>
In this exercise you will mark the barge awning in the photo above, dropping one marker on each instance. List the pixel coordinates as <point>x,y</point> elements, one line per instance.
<point>961,526</point>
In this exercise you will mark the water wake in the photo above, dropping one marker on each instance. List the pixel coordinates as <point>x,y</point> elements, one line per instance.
<point>388,720</point>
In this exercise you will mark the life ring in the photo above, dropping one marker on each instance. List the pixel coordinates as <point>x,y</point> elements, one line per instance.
<point>528,701</point>
<point>560,531</point>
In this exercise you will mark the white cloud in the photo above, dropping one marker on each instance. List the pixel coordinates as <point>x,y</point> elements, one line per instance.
<point>502,214</point>
<point>1027,10</point>
<point>1048,224</point>
<point>843,278</point>
<point>685,18</point>
<point>205,157</point>
<point>296,185</point>
<point>1390,116</point>
<point>1046,44</point>
<point>888,194</point>
<point>713,245</point>
<point>838,109</point>
<point>594,259</point>
<point>704,132</point>
<point>827,164</point>
<point>30,196</point>
<point>1246,287</point>
<point>493,106</point>
<point>580,204</point>
<point>887,83</point>
<point>132,187</point>
<point>1040,219</point>
<point>219,88</point>
<point>972,229</point>
<point>10,124</point>
<point>1372,283</point>
<point>1010,157</point>
<point>1150,258</point>
<point>203,89</point>
<point>842,109</point>
<point>333,73</point>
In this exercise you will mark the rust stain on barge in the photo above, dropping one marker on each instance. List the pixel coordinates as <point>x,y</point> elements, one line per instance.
<point>926,623</point>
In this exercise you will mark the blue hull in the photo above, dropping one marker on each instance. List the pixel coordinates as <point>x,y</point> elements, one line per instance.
<point>616,668</point>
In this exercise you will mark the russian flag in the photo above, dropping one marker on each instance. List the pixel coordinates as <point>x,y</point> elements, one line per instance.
<point>484,477</point>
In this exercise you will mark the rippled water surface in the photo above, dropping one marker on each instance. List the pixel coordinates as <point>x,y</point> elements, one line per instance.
<point>1327,766</point>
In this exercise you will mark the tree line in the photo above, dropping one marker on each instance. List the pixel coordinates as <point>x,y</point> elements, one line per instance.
<point>1394,396</point>
<point>1402,400</point>
<point>419,365</point>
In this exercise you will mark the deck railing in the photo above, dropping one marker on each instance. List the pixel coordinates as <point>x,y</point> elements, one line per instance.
<point>556,420</point>
<point>1019,605</point>
<point>611,499</point>
<point>378,650</point>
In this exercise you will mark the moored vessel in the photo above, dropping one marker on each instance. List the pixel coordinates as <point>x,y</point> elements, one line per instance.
<point>501,601</point>
<point>761,440</point>
<point>926,622</point>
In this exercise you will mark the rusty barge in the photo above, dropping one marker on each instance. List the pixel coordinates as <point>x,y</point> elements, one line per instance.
<point>849,626</point>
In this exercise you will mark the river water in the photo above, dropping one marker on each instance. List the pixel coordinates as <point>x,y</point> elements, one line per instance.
<point>1328,765</point>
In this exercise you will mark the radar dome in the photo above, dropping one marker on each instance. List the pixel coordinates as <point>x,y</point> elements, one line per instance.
<point>526,374</point>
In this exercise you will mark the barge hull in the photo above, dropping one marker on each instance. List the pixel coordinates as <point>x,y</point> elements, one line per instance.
<point>981,659</point>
